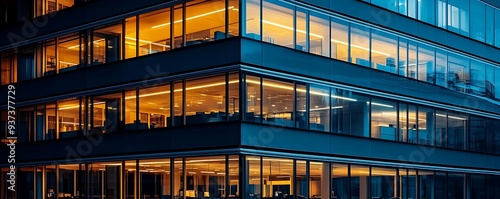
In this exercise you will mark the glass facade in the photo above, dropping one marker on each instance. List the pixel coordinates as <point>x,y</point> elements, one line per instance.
<point>471,18</point>
<point>219,177</point>
<point>283,24</point>
<point>268,100</point>
<point>203,21</point>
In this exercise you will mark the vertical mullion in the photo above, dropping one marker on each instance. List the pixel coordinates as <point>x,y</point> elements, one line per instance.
<point>122,46</point>
<point>417,183</point>
<point>91,117</point>
<point>398,109</point>
<point>370,46</point>
<point>226,26</point>
<point>307,19</point>
<point>398,181</point>
<point>260,24</point>
<point>171,105</point>
<point>123,184</point>
<point>417,131</point>
<point>172,37</point>
<point>332,119</point>
<point>241,19</point>
<point>307,179</point>
<point>349,181</point>
<point>136,180</point>
<point>294,28</point>
<point>294,182</point>
<point>308,105</point>
<point>183,122</point>
<point>330,36</point>
<point>261,176</point>
<point>294,113</point>
<point>349,58</point>
<point>91,46</point>
<point>261,100</point>
<point>243,177</point>
<point>56,47</point>
<point>227,96</point>
<point>137,115</point>
<point>184,26</point>
<point>228,186</point>
<point>370,117</point>
<point>172,178</point>
<point>137,36</point>
<point>243,96</point>
<point>79,115</point>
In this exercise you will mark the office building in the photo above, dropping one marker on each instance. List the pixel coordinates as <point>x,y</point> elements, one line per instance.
<point>252,99</point>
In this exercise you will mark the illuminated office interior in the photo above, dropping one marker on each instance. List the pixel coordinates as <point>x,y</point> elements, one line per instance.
<point>253,99</point>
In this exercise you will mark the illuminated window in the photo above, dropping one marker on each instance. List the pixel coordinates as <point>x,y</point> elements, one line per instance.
<point>154,105</point>
<point>278,102</point>
<point>68,113</point>
<point>360,45</point>
<point>69,52</point>
<point>154,32</point>
<point>205,21</point>
<point>384,51</point>
<point>277,23</point>
<point>339,39</point>
<point>206,100</point>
